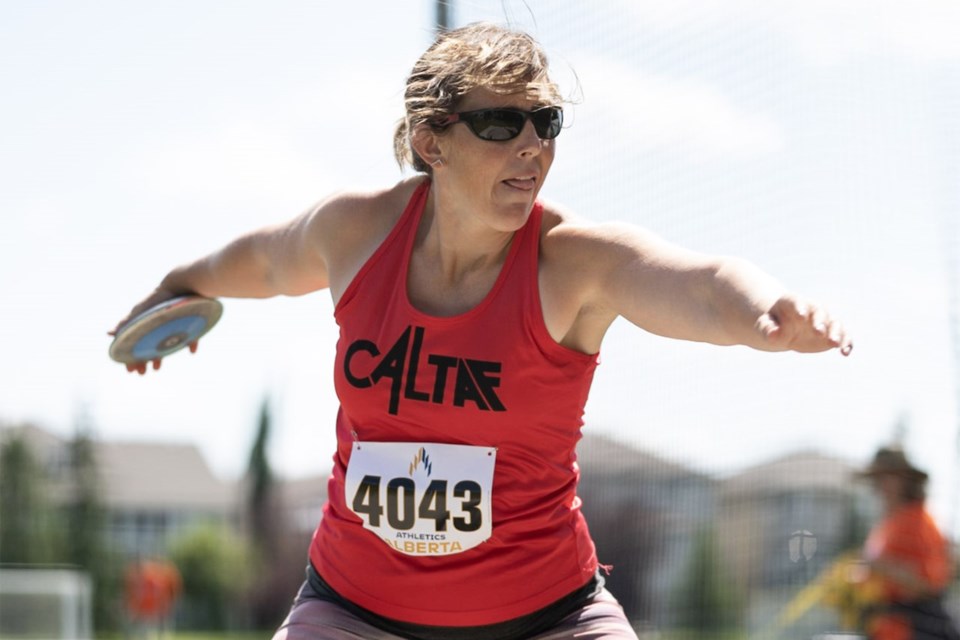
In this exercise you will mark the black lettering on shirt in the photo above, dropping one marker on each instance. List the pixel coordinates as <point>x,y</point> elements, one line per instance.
<point>473,382</point>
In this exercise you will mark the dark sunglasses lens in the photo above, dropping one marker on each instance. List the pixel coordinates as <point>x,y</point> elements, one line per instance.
<point>547,122</point>
<point>496,124</point>
<point>506,124</point>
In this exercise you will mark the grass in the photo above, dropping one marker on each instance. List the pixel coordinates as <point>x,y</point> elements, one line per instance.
<point>220,635</point>
<point>203,635</point>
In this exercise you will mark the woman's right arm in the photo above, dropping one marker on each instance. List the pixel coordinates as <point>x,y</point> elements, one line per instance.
<point>285,259</point>
<point>319,249</point>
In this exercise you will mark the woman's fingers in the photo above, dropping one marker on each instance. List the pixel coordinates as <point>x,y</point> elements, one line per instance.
<point>799,326</point>
<point>141,367</point>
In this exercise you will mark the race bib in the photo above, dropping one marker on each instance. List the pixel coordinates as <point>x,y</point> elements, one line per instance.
<point>422,499</point>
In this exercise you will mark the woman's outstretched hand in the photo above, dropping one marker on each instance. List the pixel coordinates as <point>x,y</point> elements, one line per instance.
<point>794,325</point>
<point>158,296</point>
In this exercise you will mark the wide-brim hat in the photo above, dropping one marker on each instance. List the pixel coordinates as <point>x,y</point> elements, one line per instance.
<point>891,460</point>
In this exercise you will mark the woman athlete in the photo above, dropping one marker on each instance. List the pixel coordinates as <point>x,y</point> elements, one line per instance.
<point>471,315</point>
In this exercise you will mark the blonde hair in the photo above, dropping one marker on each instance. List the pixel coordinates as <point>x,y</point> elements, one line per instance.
<point>481,54</point>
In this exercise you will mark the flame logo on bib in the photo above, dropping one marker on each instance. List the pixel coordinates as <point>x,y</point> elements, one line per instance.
<point>421,459</point>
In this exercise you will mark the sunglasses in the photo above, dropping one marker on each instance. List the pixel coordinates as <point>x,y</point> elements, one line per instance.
<point>499,125</point>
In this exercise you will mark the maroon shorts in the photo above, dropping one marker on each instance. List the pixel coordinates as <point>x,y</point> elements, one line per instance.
<point>314,619</point>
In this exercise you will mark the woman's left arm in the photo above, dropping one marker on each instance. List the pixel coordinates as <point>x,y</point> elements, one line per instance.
<point>678,293</point>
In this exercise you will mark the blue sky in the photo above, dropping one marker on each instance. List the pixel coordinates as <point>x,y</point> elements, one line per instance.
<point>819,141</point>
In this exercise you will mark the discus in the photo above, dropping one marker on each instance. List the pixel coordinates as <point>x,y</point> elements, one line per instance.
<point>165,328</point>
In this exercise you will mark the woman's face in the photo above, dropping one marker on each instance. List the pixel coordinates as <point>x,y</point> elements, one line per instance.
<point>499,180</point>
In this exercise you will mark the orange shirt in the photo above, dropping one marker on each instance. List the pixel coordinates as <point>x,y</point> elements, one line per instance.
<point>909,537</point>
<point>151,588</point>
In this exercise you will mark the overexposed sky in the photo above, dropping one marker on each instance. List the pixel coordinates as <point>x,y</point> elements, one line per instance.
<point>820,141</point>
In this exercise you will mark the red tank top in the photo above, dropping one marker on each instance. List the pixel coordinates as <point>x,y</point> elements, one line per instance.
<point>492,377</point>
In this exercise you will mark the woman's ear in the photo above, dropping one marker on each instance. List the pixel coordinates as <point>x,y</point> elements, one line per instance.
<point>425,142</point>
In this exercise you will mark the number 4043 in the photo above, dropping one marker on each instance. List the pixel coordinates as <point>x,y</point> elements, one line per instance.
<point>403,512</point>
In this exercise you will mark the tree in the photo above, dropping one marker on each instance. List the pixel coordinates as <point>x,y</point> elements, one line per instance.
<point>84,519</point>
<point>270,597</point>
<point>27,526</point>
<point>707,605</point>
<point>84,509</point>
<point>214,566</point>
<point>261,487</point>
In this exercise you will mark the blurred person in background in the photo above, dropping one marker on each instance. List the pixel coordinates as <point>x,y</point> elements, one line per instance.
<point>908,560</point>
<point>151,588</point>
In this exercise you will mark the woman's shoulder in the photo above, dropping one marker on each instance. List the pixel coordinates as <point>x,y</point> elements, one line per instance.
<point>350,220</point>
<point>359,208</point>
<point>573,248</point>
<point>592,253</point>
<point>572,267</point>
<point>349,225</point>
<point>561,227</point>
<point>566,234</point>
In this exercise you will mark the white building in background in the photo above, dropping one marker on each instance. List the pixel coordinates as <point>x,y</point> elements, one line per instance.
<point>782,522</point>
<point>155,491</point>
<point>152,492</point>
